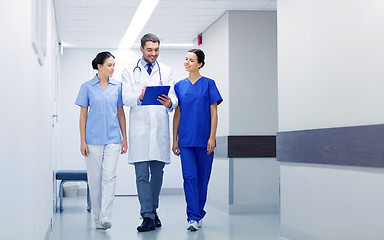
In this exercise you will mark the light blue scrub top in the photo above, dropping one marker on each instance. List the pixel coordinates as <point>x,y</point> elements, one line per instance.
<point>102,125</point>
<point>195,113</point>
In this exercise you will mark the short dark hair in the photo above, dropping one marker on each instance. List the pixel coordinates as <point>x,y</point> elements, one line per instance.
<point>200,56</point>
<point>100,59</point>
<point>149,37</point>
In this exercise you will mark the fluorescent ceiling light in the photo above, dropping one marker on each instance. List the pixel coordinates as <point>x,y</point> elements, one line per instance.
<point>142,14</point>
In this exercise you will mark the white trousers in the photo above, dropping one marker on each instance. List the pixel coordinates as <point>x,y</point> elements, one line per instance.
<point>101,166</point>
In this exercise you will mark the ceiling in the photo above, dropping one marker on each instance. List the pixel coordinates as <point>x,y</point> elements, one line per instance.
<point>102,23</point>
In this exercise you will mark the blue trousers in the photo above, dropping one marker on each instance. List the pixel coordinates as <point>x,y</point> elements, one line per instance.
<point>149,178</point>
<point>196,167</point>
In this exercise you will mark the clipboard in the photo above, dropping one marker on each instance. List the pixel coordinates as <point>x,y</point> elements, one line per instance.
<point>152,93</point>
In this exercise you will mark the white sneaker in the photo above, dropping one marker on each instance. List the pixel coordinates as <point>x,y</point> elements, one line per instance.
<point>106,225</point>
<point>200,223</point>
<point>192,225</point>
<point>98,224</point>
<point>103,224</point>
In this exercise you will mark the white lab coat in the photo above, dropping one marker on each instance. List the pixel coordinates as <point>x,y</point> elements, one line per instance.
<point>148,136</point>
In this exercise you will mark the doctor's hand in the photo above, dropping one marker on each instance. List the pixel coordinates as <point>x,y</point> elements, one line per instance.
<point>124,146</point>
<point>142,93</point>
<point>165,100</point>
<point>210,146</point>
<point>175,148</point>
<point>84,149</point>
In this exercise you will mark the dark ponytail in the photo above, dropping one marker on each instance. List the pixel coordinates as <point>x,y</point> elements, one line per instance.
<point>100,59</point>
<point>200,56</point>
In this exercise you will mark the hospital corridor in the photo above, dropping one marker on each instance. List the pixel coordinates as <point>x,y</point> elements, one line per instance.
<point>192,120</point>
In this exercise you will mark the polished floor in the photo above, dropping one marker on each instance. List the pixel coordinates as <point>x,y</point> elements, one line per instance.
<point>76,223</point>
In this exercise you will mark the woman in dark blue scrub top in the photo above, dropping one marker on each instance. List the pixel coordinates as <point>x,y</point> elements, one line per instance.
<point>194,133</point>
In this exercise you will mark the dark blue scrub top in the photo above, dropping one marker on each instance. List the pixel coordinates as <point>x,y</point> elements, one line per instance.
<point>195,115</point>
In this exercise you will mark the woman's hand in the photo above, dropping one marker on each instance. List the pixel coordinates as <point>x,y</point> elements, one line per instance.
<point>84,149</point>
<point>124,146</point>
<point>175,148</point>
<point>142,93</point>
<point>210,145</point>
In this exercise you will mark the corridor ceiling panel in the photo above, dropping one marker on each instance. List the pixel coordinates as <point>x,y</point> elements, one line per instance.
<point>102,23</point>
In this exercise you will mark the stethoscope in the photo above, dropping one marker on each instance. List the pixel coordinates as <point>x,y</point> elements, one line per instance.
<point>137,67</point>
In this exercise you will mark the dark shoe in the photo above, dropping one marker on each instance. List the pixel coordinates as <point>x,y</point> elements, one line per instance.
<point>147,225</point>
<point>157,221</point>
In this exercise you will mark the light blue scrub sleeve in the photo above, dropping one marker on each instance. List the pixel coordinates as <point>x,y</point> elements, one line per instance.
<point>82,97</point>
<point>120,98</point>
<point>214,94</point>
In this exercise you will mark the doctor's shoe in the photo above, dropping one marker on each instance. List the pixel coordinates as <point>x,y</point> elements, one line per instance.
<point>157,221</point>
<point>147,225</point>
<point>192,225</point>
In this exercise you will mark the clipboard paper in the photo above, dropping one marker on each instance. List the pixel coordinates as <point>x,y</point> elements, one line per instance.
<point>152,93</point>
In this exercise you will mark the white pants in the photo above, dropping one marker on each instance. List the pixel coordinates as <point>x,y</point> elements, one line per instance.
<point>101,169</point>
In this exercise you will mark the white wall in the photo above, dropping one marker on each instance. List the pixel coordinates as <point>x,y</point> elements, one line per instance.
<point>216,48</point>
<point>256,181</point>
<point>252,73</point>
<point>219,185</point>
<point>245,70</point>
<point>253,106</point>
<point>330,63</point>
<point>26,131</point>
<point>331,75</point>
<point>333,202</point>
<point>76,69</point>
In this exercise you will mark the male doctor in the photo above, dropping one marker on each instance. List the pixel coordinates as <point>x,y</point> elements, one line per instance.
<point>149,139</point>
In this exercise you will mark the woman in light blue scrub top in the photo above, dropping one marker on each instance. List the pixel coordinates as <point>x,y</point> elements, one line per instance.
<point>102,119</point>
<point>194,134</point>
